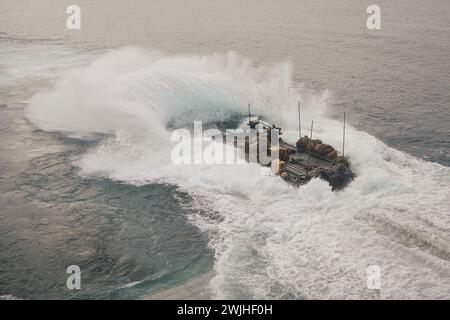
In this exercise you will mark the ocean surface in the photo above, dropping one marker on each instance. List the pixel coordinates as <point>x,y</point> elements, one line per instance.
<point>85,171</point>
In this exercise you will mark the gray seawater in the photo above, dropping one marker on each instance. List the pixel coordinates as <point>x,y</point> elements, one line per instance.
<point>127,240</point>
<point>133,232</point>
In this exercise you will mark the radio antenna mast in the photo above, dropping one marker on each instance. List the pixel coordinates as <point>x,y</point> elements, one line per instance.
<point>310,137</point>
<point>299,122</point>
<point>343,138</point>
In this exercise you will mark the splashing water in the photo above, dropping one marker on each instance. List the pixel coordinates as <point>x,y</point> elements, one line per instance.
<point>270,240</point>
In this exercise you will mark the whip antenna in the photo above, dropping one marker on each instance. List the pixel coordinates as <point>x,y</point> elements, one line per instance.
<point>299,122</point>
<point>343,138</point>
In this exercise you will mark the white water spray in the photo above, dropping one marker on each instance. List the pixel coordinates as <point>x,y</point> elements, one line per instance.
<point>272,240</point>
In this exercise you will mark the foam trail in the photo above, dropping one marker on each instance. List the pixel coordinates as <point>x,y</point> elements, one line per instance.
<point>21,60</point>
<point>270,240</point>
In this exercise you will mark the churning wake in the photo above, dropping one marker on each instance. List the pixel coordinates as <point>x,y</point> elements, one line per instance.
<point>270,240</point>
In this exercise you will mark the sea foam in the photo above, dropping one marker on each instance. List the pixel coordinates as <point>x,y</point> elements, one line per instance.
<point>271,240</point>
